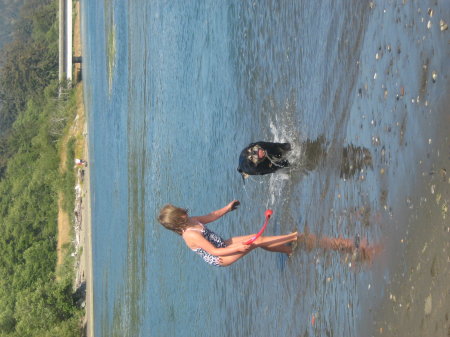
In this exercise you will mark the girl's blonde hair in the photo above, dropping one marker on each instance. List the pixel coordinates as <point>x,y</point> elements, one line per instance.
<point>173,218</point>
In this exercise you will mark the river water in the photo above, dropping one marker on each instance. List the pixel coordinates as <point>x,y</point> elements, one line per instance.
<point>176,89</point>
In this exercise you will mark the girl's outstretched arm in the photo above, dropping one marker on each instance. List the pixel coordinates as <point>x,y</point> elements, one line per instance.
<point>213,216</point>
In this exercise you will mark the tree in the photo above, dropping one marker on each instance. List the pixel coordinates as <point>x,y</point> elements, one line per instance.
<point>43,306</point>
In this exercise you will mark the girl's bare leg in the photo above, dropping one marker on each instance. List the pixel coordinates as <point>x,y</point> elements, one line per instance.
<point>264,241</point>
<point>275,243</point>
<point>280,249</point>
<point>270,243</point>
<point>230,259</point>
<point>238,239</point>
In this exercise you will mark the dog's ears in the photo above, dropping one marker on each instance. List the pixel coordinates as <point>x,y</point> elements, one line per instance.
<point>243,174</point>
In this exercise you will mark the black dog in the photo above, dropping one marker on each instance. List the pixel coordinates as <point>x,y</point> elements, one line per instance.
<point>262,158</point>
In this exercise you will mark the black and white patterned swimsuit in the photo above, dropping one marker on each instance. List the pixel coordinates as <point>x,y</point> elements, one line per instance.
<point>215,240</point>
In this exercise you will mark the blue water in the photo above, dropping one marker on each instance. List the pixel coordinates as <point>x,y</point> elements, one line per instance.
<point>175,89</point>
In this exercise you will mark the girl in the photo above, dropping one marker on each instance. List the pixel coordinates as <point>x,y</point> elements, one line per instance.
<point>210,246</point>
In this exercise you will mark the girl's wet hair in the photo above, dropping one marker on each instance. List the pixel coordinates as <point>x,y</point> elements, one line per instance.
<point>173,218</point>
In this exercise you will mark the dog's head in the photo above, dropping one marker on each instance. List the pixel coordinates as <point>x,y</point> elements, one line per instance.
<point>255,154</point>
<point>249,159</point>
<point>263,158</point>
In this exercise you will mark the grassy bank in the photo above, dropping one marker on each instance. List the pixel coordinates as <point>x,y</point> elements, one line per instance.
<point>39,139</point>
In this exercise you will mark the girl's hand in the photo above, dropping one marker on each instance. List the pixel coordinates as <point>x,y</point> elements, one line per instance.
<point>244,248</point>
<point>233,205</point>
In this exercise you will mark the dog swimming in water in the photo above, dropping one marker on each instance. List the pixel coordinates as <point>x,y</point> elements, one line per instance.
<point>263,158</point>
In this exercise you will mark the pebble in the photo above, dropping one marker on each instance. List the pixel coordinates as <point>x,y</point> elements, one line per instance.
<point>434,76</point>
<point>443,25</point>
<point>429,24</point>
<point>438,198</point>
<point>430,12</point>
<point>424,248</point>
<point>444,209</point>
<point>428,305</point>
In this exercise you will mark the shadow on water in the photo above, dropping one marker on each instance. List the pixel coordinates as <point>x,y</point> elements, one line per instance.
<point>353,158</point>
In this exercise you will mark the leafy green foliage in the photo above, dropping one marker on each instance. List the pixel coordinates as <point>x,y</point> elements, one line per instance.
<point>68,178</point>
<point>28,224</point>
<point>33,302</point>
<point>9,14</point>
<point>28,64</point>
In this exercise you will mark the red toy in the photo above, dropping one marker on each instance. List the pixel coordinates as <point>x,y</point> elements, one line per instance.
<point>268,214</point>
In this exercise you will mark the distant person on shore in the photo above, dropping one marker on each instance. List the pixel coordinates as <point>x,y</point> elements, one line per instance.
<point>211,247</point>
<point>80,162</point>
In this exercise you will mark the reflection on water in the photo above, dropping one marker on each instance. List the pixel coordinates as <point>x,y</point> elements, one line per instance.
<point>353,158</point>
<point>360,250</point>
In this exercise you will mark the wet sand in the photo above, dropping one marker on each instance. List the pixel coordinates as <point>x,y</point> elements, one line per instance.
<point>416,297</point>
<point>409,294</point>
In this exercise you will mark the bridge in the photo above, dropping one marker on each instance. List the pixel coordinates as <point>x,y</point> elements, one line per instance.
<point>66,58</point>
